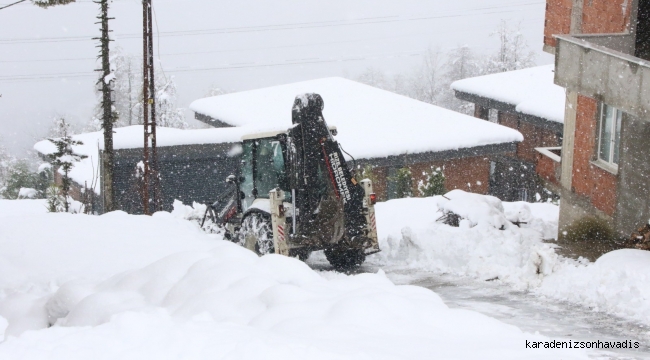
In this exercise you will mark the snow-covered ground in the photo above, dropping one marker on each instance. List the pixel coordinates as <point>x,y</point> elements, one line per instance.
<point>616,283</point>
<point>134,287</point>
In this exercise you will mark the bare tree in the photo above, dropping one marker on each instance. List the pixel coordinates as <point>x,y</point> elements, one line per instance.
<point>215,90</point>
<point>374,77</point>
<point>127,92</point>
<point>426,84</point>
<point>513,53</point>
<point>461,63</point>
<point>168,114</point>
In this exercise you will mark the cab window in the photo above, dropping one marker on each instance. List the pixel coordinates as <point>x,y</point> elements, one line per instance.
<point>269,167</point>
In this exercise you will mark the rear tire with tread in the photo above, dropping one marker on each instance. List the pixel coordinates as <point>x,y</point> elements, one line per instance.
<point>345,259</point>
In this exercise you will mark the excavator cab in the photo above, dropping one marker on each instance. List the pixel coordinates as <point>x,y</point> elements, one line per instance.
<point>262,168</point>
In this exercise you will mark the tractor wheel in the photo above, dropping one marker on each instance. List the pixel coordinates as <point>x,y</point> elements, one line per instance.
<point>301,253</point>
<point>256,233</point>
<point>345,259</point>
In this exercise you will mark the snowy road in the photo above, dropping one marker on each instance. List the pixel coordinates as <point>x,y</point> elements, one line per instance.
<point>532,314</point>
<point>556,320</point>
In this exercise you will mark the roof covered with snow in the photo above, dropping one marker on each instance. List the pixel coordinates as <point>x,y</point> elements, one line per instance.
<point>371,122</point>
<point>531,91</point>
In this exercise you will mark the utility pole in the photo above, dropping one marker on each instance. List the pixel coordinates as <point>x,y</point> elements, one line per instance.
<point>108,158</point>
<point>152,192</point>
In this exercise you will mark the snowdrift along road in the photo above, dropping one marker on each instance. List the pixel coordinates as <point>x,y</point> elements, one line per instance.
<point>617,283</point>
<point>133,287</point>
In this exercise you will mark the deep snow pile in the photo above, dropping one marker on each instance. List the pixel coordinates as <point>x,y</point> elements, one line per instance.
<point>166,296</point>
<point>22,207</point>
<point>410,236</point>
<point>40,251</point>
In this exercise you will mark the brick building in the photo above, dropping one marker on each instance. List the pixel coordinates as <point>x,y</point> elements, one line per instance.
<point>378,128</point>
<point>381,129</point>
<point>601,52</point>
<point>528,101</point>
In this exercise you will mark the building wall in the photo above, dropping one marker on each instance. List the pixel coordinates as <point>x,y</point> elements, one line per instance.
<point>188,173</point>
<point>471,174</point>
<point>605,16</point>
<point>598,185</point>
<point>549,169</point>
<point>380,185</point>
<point>558,19</point>
<point>534,136</point>
<point>596,17</point>
<point>468,174</point>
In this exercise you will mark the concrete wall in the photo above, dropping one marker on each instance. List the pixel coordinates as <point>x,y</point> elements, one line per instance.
<point>621,200</point>
<point>601,73</point>
<point>633,206</point>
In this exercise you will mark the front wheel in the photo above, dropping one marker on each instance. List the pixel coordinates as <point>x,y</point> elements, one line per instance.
<point>345,259</point>
<point>256,233</point>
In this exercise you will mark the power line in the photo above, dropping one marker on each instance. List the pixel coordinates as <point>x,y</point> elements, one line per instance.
<point>222,51</point>
<point>17,2</point>
<point>275,27</point>
<point>30,77</point>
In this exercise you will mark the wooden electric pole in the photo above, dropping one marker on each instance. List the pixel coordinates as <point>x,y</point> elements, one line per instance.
<point>108,158</point>
<point>152,192</point>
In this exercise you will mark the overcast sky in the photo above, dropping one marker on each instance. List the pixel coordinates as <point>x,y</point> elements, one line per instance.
<point>47,56</point>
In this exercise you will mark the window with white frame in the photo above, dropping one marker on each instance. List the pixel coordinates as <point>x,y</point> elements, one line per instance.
<point>609,137</point>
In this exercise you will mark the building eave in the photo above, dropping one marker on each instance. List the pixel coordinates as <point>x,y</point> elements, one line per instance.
<point>490,103</point>
<point>430,156</point>
<point>206,119</point>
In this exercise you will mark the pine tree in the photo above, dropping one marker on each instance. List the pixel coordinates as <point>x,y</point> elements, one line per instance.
<point>59,128</point>
<point>403,183</point>
<point>434,184</point>
<point>49,3</point>
<point>18,176</point>
<point>64,159</point>
<point>54,201</point>
<point>6,163</point>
